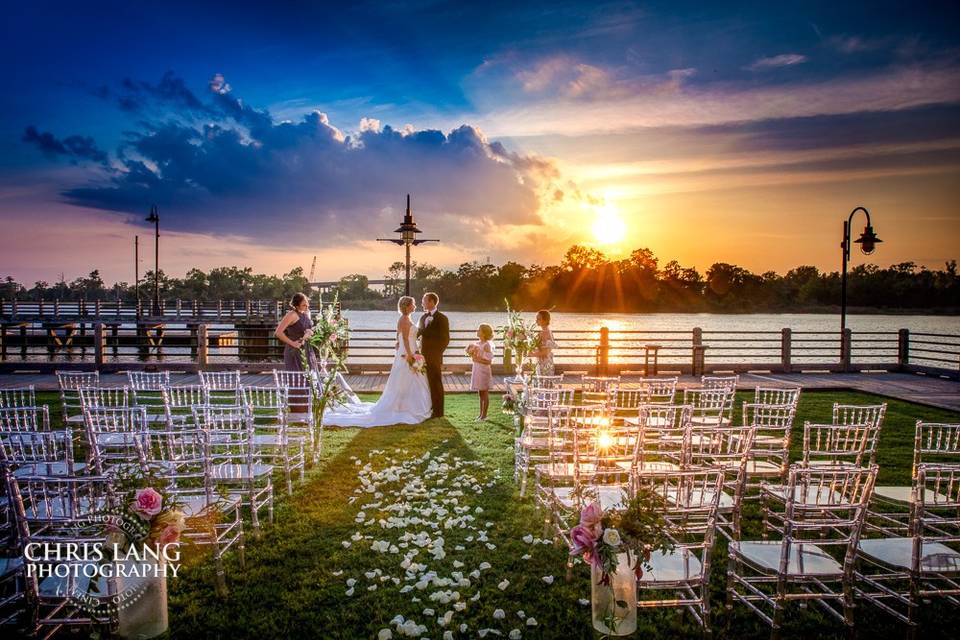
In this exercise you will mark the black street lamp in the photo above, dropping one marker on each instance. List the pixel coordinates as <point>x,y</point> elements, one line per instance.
<point>154,217</point>
<point>408,237</point>
<point>868,241</point>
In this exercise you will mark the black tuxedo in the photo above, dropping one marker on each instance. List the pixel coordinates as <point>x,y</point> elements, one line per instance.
<point>434,339</point>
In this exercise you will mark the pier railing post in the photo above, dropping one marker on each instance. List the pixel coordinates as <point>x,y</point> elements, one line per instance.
<point>903,349</point>
<point>603,352</point>
<point>786,339</point>
<point>98,344</point>
<point>202,351</point>
<point>846,349</point>
<point>697,357</point>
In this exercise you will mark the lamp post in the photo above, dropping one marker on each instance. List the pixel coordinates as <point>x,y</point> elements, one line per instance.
<point>154,217</point>
<point>408,237</point>
<point>868,241</point>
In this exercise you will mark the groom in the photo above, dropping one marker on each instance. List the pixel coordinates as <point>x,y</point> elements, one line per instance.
<point>434,333</point>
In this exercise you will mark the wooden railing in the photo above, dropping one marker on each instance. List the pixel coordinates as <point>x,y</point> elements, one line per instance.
<point>249,344</point>
<point>116,310</point>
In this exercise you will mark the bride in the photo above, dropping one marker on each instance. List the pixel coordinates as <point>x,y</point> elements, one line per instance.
<point>406,397</point>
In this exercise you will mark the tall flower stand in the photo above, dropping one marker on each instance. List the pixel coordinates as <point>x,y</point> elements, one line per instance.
<point>615,604</point>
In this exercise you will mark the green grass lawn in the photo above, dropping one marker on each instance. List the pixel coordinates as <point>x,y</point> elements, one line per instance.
<point>292,585</point>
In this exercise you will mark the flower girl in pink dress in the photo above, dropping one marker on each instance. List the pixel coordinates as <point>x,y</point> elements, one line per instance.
<point>481,352</point>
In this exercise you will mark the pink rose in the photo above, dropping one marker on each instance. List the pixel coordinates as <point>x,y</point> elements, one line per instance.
<point>147,503</point>
<point>590,518</point>
<point>169,535</point>
<point>582,541</point>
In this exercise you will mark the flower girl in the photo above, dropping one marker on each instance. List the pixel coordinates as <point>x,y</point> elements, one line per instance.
<point>481,352</point>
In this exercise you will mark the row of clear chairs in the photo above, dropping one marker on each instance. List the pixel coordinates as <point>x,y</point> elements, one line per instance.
<point>211,467</point>
<point>817,506</point>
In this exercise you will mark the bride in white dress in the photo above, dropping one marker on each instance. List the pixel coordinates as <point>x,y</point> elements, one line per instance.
<point>405,398</point>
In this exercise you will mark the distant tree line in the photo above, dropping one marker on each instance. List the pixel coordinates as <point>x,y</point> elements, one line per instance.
<point>585,280</point>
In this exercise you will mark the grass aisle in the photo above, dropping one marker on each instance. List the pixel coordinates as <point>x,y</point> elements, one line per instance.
<point>293,587</point>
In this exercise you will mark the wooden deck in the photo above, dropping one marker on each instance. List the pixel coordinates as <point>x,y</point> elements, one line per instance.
<point>927,390</point>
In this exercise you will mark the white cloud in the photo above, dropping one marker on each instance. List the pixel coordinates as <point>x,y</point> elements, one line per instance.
<point>774,62</point>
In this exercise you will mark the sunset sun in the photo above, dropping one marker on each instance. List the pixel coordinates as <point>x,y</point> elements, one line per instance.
<point>608,226</point>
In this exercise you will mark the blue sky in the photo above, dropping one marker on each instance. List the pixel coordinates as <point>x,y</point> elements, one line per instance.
<point>270,132</point>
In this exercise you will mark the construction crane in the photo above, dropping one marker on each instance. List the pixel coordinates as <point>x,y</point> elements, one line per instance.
<point>313,269</point>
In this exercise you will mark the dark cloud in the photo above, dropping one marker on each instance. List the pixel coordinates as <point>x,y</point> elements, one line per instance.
<point>75,147</point>
<point>223,166</point>
<point>136,96</point>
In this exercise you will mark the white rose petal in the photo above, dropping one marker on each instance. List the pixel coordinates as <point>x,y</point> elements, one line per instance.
<point>548,579</point>
<point>499,614</point>
<point>515,634</point>
<point>503,585</point>
<point>531,622</point>
<point>385,634</point>
<point>528,538</point>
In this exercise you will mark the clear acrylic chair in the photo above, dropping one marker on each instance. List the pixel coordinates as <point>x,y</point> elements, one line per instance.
<point>770,453</point>
<point>663,438</point>
<point>933,443</point>
<point>727,449</point>
<point>546,382</point>
<point>680,577</point>
<point>14,397</point>
<point>232,460</point>
<point>559,480</point>
<point>223,387</point>
<point>146,388</point>
<point>719,382</point>
<point>659,390</point>
<point>106,397</point>
<point>863,414</point>
<point>25,418</point>
<point>181,458</point>
<point>532,445</point>
<point>776,395</point>
<point>301,422</point>
<point>36,453</point>
<point>711,407</point>
<point>900,574</point>
<point>56,510</point>
<point>179,401</point>
<point>838,444</point>
<point>70,383</point>
<point>116,437</point>
<point>600,384</point>
<point>814,559</point>
<point>272,441</point>
<point>824,446</point>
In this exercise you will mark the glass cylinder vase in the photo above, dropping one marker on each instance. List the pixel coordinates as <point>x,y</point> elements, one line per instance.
<point>615,604</point>
<point>145,614</point>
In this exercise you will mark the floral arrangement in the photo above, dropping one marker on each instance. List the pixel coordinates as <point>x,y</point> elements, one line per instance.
<point>330,334</point>
<point>163,520</point>
<point>166,523</point>
<point>637,530</point>
<point>521,338</point>
<point>328,341</point>
<point>419,364</point>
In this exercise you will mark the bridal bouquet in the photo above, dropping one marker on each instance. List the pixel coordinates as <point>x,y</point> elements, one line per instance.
<point>522,338</point>
<point>419,364</point>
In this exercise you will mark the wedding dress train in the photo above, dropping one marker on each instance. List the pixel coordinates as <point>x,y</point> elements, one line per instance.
<point>405,398</point>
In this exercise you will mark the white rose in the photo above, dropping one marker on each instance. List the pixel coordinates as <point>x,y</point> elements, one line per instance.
<point>611,537</point>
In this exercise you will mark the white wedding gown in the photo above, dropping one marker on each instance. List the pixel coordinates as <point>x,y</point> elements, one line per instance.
<point>405,398</point>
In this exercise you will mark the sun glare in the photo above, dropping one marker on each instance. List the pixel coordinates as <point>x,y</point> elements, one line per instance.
<point>608,227</point>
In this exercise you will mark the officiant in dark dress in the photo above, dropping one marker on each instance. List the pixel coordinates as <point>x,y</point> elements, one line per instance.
<point>433,329</point>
